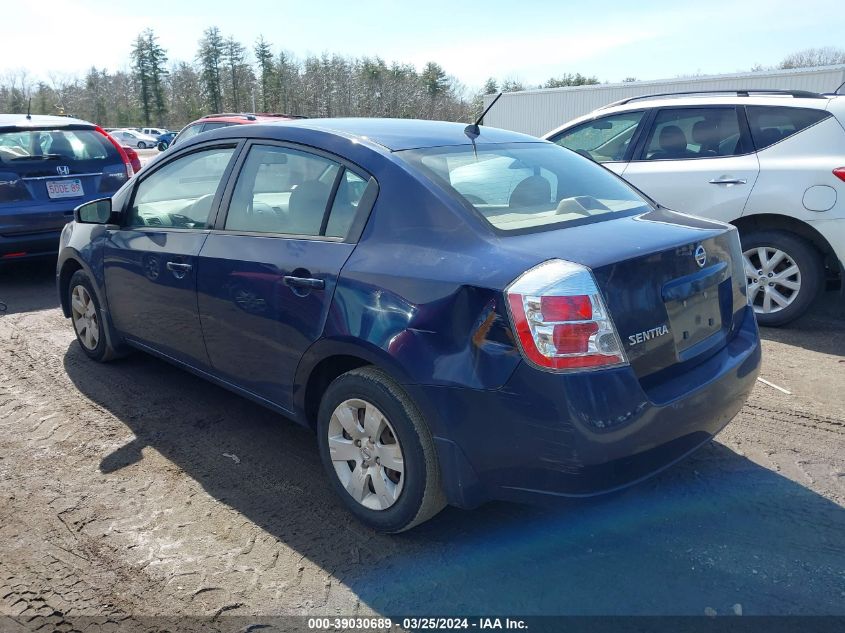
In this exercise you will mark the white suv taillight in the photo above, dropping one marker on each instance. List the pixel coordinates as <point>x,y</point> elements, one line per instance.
<point>560,318</point>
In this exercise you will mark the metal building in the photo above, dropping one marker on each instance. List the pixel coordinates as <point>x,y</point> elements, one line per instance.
<point>539,111</point>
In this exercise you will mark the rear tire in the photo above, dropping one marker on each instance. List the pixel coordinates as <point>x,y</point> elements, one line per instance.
<point>357,457</point>
<point>784,275</point>
<point>87,318</point>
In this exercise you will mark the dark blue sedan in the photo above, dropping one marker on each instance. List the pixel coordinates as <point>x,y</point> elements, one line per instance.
<point>458,317</point>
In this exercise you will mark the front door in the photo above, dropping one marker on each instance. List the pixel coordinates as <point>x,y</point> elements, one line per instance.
<point>150,263</point>
<point>698,161</point>
<point>268,272</point>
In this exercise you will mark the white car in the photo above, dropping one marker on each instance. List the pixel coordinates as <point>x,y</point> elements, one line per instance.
<point>153,131</point>
<point>770,162</point>
<point>133,138</point>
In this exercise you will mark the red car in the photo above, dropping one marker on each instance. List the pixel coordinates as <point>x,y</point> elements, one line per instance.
<point>214,121</point>
<point>133,158</point>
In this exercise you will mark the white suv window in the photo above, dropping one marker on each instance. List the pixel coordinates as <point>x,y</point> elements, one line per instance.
<point>770,124</point>
<point>605,139</point>
<point>681,133</point>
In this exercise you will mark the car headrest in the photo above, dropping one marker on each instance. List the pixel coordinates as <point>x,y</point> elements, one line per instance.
<point>532,191</point>
<point>60,145</point>
<point>672,139</point>
<point>306,207</point>
<point>705,133</point>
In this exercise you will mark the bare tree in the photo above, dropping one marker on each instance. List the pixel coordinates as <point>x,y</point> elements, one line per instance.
<point>824,56</point>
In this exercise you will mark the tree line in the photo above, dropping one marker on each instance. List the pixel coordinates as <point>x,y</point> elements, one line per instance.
<point>227,76</point>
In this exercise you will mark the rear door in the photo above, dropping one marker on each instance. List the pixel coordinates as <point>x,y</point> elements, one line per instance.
<point>697,160</point>
<point>150,262</point>
<point>45,173</point>
<point>268,270</point>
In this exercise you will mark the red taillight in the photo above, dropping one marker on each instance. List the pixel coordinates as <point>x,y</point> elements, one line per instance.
<point>15,254</point>
<point>561,320</point>
<point>574,338</point>
<point>839,172</point>
<point>575,308</point>
<point>126,162</point>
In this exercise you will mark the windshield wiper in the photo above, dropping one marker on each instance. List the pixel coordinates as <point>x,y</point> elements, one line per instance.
<point>37,157</point>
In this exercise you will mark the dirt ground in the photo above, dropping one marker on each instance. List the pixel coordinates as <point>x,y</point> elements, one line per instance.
<point>134,488</point>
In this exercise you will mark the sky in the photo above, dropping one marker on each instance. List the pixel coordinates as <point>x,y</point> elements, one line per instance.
<point>527,40</point>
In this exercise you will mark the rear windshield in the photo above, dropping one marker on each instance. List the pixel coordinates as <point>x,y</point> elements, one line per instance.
<point>23,146</point>
<point>519,186</point>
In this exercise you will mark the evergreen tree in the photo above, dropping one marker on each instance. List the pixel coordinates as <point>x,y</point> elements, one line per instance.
<point>264,59</point>
<point>156,66</point>
<point>211,56</point>
<point>142,77</point>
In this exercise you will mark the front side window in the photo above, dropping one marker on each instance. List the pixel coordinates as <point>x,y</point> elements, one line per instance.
<point>681,133</point>
<point>282,190</point>
<point>180,193</point>
<point>603,140</point>
<point>519,186</point>
<point>770,124</point>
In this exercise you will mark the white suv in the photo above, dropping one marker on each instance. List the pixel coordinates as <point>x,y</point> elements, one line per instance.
<point>770,162</point>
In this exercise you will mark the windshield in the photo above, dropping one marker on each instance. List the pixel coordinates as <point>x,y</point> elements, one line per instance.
<point>517,186</point>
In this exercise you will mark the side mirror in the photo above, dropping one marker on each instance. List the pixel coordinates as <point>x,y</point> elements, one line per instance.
<point>162,146</point>
<point>94,212</point>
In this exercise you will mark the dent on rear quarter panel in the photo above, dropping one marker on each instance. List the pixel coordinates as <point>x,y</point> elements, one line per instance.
<point>425,288</point>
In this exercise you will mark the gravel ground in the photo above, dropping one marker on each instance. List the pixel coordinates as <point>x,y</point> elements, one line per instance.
<point>135,489</point>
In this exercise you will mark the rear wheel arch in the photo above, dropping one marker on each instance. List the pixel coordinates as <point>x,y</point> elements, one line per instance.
<point>777,222</point>
<point>321,376</point>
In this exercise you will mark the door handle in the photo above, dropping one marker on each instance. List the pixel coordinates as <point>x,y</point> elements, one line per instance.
<point>729,181</point>
<point>304,282</point>
<point>179,269</point>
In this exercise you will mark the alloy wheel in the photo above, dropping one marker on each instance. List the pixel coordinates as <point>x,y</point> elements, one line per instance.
<point>366,454</point>
<point>84,317</point>
<point>773,278</point>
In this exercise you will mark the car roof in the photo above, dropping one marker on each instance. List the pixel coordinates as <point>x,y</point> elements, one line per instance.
<point>649,103</point>
<point>402,134</point>
<point>39,120</point>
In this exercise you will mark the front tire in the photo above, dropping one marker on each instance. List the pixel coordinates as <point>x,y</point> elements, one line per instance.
<point>378,452</point>
<point>142,145</point>
<point>784,275</point>
<point>87,319</point>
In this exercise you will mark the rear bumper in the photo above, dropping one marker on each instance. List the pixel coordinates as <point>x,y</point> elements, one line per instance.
<point>32,245</point>
<point>546,435</point>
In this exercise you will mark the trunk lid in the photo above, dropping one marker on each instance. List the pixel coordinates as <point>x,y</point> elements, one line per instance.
<point>673,284</point>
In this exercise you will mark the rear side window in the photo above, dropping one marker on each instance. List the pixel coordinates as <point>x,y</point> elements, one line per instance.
<point>603,140</point>
<point>65,146</point>
<point>770,124</point>
<point>180,193</point>
<point>520,186</point>
<point>283,190</point>
<point>681,133</point>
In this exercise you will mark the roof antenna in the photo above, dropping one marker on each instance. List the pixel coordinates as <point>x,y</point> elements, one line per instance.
<point>29,110</point>
<point>472,130</point>
<point>841,86</point>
